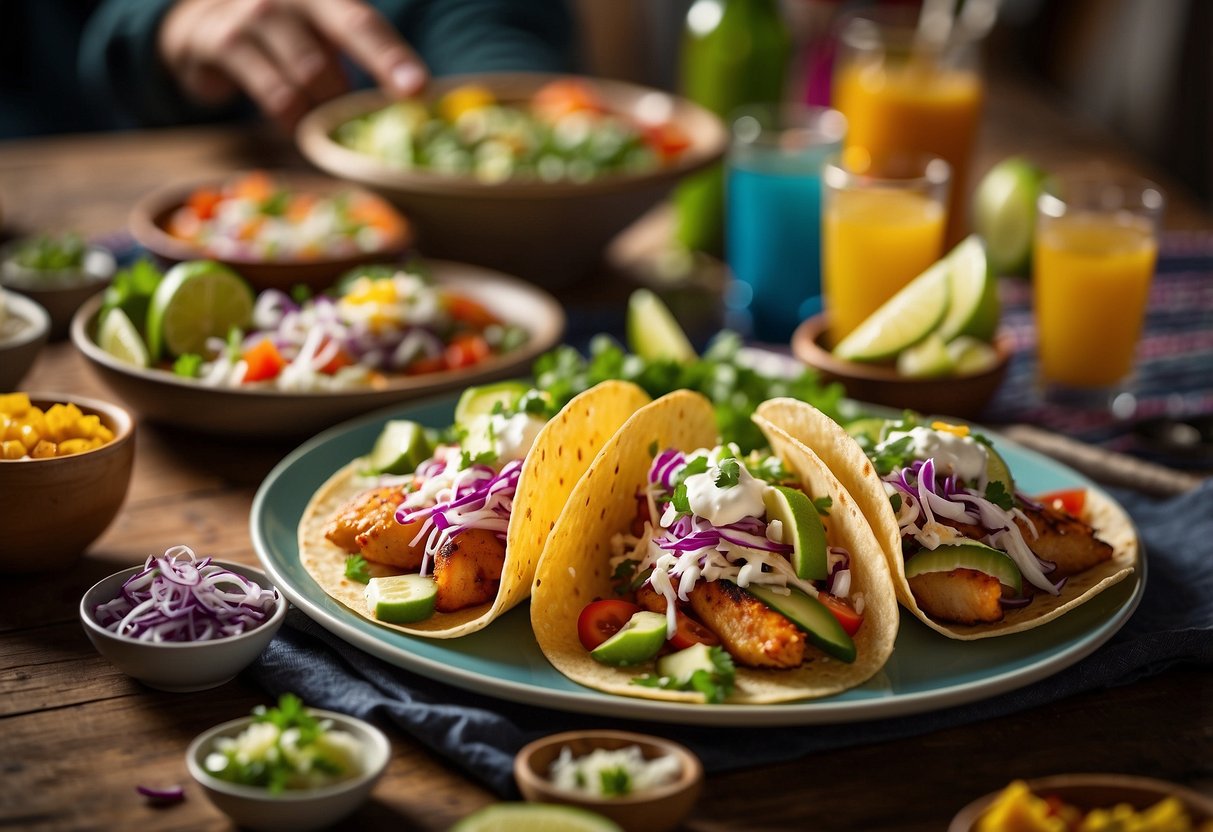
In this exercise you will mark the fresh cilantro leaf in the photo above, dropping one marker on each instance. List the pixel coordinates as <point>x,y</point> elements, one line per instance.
<point>981,438</point>
<point>823,504</point>
<point>622,576</point>
<point>768,467</point>
<point>891,455</point>
<point>357,569</point>
<point>728,473</point>
<point>615,782</point>
<point>131,291</point>
<point>895,501</point>
<point>681,503</point>
<point>235,342</point>
<point>715,685</point>
<point>52,253</point>
<point>275,204</point>
<point>467,459</point>
<point>188,365</point>
<point>996,493</point>
<point>301,293</point>
<point>697,465</point>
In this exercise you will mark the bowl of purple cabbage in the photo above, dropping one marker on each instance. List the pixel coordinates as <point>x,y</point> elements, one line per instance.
<point>180,622</point>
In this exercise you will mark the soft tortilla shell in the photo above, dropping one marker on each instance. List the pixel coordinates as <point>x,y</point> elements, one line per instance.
<point>842,454</point>
<point>562,451</point>
<point>574,569</point>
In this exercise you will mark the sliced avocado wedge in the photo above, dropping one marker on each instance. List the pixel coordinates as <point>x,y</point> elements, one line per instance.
<point>480,401</point>
<point>802,528</point>
<point>997,469</point>
<point>637,641</point>
<point>811,616</point>
<point>681,666</point>
<point>976,556</point>
<point>402,446</point>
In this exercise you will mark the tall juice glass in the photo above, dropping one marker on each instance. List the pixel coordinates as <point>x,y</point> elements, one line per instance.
<point>883,225</point>
<point>773,198</point>
<point>1093,259</point>
<point>903,95</point>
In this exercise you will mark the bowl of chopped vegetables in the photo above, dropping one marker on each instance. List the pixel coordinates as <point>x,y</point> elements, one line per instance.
<point>65,463</point>
<point>60,272</point>
<point>279,230</point>
<point>289,767</point>
<point>643,783</point>
<point>529,173</point>
<point>196,347</point>
<point>24,326</point>
<point>180,622</point>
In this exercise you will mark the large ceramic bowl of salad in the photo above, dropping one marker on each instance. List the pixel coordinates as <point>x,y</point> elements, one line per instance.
<point>199,348</point>
<point>529,173</point>
<point>277,229</point>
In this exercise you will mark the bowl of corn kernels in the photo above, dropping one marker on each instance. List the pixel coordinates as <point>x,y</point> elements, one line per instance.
<point>65,464</point>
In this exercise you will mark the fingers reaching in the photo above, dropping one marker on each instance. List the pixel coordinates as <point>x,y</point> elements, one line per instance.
<point>371,41</point>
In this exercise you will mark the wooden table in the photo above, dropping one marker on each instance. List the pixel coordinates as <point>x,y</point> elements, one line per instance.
<point>76,736</point>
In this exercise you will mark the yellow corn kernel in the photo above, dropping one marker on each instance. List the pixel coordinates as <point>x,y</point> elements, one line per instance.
<point>77,446</point>
<point>955,430</point>
<point>35,418</point>
<point>44,450</point>
<point>12,430</point>
<point>14,404</point>
<point>59,421</point>
<point>86,427</point>
<point>105,434</point>
<point>463,100</point>
<point>28,436</point>
<point>11,449</point>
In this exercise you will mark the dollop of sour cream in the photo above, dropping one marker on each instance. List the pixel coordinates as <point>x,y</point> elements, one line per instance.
<point>723,505</point>
<point>953,454</point>
<point>514,435</point>
<point>612,773</point>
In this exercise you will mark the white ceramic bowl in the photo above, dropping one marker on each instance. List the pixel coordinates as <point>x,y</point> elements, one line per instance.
<point>255,808</point>
<point>23,331</point>
<point>60,292</point>
<point>178,666</point>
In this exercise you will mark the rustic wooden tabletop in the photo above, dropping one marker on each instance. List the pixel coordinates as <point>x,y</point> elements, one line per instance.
<point>77,736</point>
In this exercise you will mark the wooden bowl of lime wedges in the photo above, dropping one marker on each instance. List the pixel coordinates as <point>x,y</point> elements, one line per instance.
<point>933,347</point>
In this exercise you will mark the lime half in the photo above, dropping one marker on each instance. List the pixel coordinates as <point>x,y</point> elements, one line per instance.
<point>1004,213</point>
<point>120,339</point>
<point>197,300</point>
<point>534,817</point>
<point>929,358</point>
<point>401,599</point>
<point>973,300</point>
<point>653,333</point>
<point>903,320</point>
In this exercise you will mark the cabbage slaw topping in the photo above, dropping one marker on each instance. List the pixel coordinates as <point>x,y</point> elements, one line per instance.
<point>179,597</point>
<point>683,548</point>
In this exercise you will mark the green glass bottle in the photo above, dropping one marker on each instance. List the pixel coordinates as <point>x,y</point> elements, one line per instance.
<point>734,52</point>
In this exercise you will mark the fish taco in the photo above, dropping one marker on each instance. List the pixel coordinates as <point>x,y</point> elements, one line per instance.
<point>971,555</point>
<point>684,570</point>
<point>444,549</point>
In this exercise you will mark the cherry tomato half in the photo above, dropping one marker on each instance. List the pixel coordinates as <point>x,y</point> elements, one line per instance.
<point>843,611</point>
<point>600,620</point>
<point>1072,501</point>
<point>689,632</point>
<point>466,350</point>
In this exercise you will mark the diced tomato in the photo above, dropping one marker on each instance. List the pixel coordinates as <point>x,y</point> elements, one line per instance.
<point>689,632</point>
<point>204,201</point>
<point>843,611</point>
<point>469,312</point>
<point>466,350</point>
<point>600,620</point>
<point>341,359</point>
<point>256,187</point>
<point>1071,500</point>
<point>421,366</point>
<point>668,139</point>
<point>263,360</point>
<point>559,98</point>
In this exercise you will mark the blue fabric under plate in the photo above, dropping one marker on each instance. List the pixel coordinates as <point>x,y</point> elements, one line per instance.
<point>479,734</point>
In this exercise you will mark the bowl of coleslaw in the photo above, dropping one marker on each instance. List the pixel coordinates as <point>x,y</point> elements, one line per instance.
<point>179,622</point>
<point>277,229</point>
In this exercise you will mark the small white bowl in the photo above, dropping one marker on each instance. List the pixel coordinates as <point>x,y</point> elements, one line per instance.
<point>21,338</point>
<point>179,667</point>
<point>255,808</point>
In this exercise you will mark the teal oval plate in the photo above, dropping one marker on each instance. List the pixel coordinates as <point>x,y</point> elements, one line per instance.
<point>927,671</point>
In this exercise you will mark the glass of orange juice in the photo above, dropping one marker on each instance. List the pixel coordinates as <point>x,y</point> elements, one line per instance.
<point>901,92</point>
<point>1092,262</point>
<point>883,221</point>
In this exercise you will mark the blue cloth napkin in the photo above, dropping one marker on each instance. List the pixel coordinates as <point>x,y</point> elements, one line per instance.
<point>480,735</point>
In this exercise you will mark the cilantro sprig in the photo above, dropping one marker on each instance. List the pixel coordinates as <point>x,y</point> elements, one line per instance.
<point>715,684</point>
<point>357,569</point>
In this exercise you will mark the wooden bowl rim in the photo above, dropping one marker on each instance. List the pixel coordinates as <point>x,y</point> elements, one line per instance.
<point>689,776</point>
<point>116,418</point>
<point>314,138</point>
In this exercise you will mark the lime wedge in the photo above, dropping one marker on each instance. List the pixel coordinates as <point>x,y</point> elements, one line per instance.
<point>929,358</point>
<point>120,339</point>
<point>197,300</point>
<point>802,528</point>
<point>534,817</point>
<point>970,356</point>
<point>401,599</point>
<point>652,331</point>
<point>480,401</point>
<point>973,302</point>
<point>997,470</point>
<point>903,320</point>
<point>401,447</point>
<point>1004,213</point>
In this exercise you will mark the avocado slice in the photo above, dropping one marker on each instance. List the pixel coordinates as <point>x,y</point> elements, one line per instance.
<point>682,665</point>
<point>480,401</point>
<point>637,641</point>
<point>870,427</point>
<point>402,446</point>
<point>971,555</point>
<point>811,616</point>
<point>802,528</point>
<point>998,470</point>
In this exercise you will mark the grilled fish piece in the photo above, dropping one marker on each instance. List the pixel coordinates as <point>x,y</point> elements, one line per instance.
<point>1063,539</point>
<point>360,513</point>
<point>963,596</point>
<point>753,633</point>
<point>467,570</point>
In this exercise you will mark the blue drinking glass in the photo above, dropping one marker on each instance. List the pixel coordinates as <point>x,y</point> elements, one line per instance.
<point>773,218</point>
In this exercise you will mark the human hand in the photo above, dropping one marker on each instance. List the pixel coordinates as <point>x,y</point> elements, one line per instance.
<point>282,53</point>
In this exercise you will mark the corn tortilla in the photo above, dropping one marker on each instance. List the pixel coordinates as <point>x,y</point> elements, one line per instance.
<point>562,451</point>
